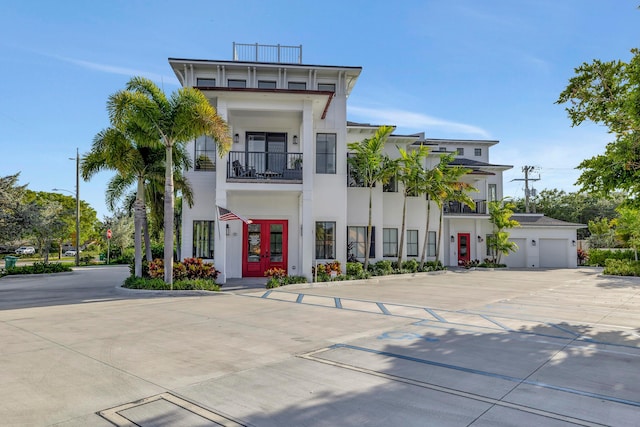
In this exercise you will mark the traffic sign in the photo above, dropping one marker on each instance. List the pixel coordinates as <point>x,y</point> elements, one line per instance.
<point>108,233</point>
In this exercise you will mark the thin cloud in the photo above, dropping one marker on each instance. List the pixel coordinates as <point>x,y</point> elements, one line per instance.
<point>112,69</point>
<point>416,121</point>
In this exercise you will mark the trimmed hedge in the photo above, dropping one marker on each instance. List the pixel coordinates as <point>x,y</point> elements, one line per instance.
<point>597,257</point>
<point>178,285</point>
<point>39,268</point>
<point>622,267</point>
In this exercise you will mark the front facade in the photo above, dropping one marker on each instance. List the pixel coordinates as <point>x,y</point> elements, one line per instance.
<point>287,173</point>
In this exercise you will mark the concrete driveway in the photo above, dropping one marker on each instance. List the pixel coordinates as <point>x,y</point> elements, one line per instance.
<point>463,348</point>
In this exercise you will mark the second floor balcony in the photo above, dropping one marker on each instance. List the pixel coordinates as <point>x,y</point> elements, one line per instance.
<point>259,166</point>
<point>457,208</point>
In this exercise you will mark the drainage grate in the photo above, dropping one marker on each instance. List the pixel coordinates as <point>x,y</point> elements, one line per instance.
<point>165,409</point>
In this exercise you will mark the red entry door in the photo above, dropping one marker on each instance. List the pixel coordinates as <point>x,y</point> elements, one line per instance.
<point>265,247</point>
<point>463,248</point>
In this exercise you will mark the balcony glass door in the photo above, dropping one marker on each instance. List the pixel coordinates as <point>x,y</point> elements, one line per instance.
<point>266,151</point>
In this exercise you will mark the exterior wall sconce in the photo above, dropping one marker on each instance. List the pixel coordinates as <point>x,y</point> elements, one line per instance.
<point>533,242</point>
<point>236,138</point>
<point>228,229</point>
<point>573,243</point>
<point>295,139</point>
<point>480,239</point>
<point>453,239</point>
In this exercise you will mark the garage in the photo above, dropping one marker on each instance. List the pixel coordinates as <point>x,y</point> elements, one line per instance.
<point>517,259</point>
<point>553,253</point>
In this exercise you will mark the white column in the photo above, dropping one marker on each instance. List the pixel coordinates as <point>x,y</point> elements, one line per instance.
<point>220,255</point>
<point>307,251</point>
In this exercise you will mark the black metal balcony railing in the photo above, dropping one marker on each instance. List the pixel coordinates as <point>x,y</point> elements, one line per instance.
<point>461,208</point>
<point>264,166</point>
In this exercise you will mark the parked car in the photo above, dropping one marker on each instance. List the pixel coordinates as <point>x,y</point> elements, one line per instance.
<point>26,250</point>
<point>70,253</point>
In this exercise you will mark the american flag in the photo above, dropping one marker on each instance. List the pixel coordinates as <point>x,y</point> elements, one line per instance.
<point>227,215</point>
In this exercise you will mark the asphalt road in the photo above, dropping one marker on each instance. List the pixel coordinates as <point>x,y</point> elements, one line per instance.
<point>476,348</point>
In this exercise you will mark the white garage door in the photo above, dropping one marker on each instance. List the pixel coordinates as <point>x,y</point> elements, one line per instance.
<point>553,253</point>
<point>517,259</point>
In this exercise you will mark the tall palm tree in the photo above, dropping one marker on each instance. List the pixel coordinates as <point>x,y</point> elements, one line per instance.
<point>453,190</point>
<point>412,175</point>
<point>134,163</point>
<point>434,189</point>
<point>146,112</point>
<point>368,163</point>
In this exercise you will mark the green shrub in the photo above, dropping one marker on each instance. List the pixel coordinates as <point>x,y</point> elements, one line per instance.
<point>39,268</point>
<point>190,268</point>
<point>381,268</point>
<point>410,265</point>
<point>273,282</point>
<point>622,267</point>
<point>355,269</point>
<point>433,266</point>
<point>291,280</point>
<point>597,257</point>
<point>157,284</point>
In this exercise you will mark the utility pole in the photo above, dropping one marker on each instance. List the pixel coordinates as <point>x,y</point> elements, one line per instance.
<point>527,170</point>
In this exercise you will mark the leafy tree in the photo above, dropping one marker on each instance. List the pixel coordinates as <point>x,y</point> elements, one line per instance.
<point>411,173</point>
<point>576,207</point>
<point>122,230</point>
<point>368,163</point>
<point>145,114</point>
<point>48,225</point>
<point>13,212</point>
<point>602,233</point>
<point>628,228</point>
<point>500,212</point>
<point>608,93</point>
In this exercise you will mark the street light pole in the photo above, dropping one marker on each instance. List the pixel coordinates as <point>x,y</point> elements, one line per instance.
<point>77,208</point>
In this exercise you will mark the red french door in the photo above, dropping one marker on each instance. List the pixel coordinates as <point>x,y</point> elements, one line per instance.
<point>463,248</point>
<point>265,247</point>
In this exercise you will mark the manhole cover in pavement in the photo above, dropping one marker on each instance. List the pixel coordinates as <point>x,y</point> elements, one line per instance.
<point>166,410</point>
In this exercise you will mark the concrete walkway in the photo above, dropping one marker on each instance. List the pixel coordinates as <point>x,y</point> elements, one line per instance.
<point>463,348</point>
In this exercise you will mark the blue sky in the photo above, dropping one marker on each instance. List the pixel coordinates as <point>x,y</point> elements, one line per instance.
<point>468,69</point>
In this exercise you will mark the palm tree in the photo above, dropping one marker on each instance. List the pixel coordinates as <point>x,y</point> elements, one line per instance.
<point>134,163</point>
<point>500,212</point>
<point>433,188</point>
<point>412,175</point>
<point>453,190</point>
<point>146,113</point>
<point>369,164</point>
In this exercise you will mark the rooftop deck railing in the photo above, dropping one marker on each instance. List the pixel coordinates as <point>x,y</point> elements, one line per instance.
<point>267,53</point>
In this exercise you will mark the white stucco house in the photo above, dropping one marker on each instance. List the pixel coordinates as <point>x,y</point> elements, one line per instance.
<point>287,173</point>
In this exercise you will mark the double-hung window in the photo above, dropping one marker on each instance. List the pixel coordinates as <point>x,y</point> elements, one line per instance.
<point>204,82</point>
<point>205,154</point>
<point>357,241</point>
<point>326,153</point>
<point>412,242</point>
<point>431,244</point>
<point>327,87</point>
<point>203,239</point>
<point>390,242</point>
<point>325,239</point>
<point>236,83</point>
<point>297,85</point>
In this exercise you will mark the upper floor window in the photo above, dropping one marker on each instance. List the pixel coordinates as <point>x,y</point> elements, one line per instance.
<point>326,153</point>
<point>236,83</point>
<point>477,151</point>
<point>205,154</point>
<point>493,192</point>
<point>391,186</point>
<point>298,85</point>
<point>328,87</point>
<point>389,242</point>
<point>412,242</point>
<point>325,240</point>
<point>204,82</point>
<point>266,84</point>
<point>442,148</point>
<point>460,151</point>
